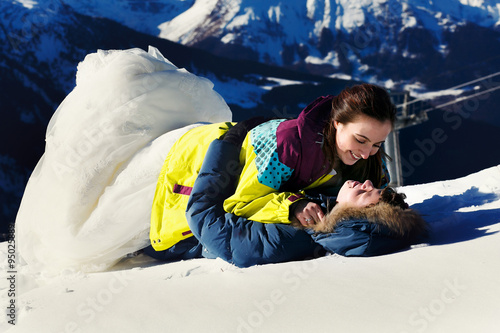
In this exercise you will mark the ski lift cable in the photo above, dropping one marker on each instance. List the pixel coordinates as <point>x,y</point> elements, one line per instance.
<point>476,80</point>
<point>455,87</point>
<point>461,99</point>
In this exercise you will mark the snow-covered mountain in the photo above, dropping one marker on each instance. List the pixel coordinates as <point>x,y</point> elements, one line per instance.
<point>392,42</point>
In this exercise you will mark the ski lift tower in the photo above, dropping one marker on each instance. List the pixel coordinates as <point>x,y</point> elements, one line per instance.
<point>409,113</point>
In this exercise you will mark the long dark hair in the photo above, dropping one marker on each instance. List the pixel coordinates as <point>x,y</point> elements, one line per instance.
<point>364,99</point>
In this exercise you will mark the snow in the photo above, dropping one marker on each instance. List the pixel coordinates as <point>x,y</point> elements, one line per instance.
<point>353,15</point>
<point>447,285</point>
<point>275,81</point>
<point>27,3</point>
<point>248,94</point>
<point>181,28</point>
<point>240,20</point>
<point>241,93</point>
<point>274,14</point>
<point>143,16</point>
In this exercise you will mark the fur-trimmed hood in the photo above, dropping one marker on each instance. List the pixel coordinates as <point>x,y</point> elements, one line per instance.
<point>401,222</point>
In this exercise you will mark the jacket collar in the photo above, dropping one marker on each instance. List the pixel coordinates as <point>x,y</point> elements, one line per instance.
<point>310,163</point>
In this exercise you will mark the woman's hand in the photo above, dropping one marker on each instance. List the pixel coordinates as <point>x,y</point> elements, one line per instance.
<point>308,213</point>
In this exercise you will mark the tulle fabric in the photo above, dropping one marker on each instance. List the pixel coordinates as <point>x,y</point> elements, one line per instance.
<point>88,201</point>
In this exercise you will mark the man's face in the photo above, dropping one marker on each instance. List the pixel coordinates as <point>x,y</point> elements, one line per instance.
<point>356,194</point>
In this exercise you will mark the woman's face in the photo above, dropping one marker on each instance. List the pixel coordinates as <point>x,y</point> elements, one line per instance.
<point>360,138</point>
<point>357,194</point>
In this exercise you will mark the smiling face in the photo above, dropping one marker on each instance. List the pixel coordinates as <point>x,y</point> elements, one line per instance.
<point>356,194</point>
<point>360,139</point>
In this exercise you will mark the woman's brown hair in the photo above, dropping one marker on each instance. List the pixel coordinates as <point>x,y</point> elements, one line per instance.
<point>364,99</point>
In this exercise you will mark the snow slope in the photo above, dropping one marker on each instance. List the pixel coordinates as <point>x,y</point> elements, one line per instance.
<point>447,285</point>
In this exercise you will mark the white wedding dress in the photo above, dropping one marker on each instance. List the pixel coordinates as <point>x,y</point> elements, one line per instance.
<point>88,201</point>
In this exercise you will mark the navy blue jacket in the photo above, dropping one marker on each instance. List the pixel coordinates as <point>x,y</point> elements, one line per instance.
<point>232,238</point>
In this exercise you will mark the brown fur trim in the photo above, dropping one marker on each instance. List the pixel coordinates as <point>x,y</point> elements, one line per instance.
<point>403,222</point>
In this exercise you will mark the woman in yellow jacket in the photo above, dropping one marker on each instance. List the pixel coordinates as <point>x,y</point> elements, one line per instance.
<point>334,139</point>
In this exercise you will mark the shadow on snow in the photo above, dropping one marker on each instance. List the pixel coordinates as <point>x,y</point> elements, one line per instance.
<point>448,225</point>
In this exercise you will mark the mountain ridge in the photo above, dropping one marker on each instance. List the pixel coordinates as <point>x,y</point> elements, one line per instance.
<point>343,37</point>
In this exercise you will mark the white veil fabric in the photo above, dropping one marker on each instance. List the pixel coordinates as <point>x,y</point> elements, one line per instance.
<point>88,202</point>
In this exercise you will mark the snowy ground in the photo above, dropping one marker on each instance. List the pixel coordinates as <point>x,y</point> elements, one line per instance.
<point>448,285</point>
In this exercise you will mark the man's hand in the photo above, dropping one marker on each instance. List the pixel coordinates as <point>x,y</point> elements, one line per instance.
<point>308,213</point>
